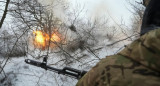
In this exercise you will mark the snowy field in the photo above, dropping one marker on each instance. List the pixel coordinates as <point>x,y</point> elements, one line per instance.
<point>21,74</point>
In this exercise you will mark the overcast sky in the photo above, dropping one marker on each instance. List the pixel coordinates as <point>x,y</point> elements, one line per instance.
<point>117,9</point>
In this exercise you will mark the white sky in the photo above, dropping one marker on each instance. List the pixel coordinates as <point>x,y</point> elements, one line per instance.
<point>117,9</point>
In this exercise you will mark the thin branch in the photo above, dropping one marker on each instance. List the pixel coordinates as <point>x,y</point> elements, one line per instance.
<point>121,40</point>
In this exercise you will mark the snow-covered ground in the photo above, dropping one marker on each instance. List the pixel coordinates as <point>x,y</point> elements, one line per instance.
<point>21,74</point>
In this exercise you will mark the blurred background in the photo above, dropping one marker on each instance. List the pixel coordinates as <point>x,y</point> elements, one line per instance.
<point>72,33</point>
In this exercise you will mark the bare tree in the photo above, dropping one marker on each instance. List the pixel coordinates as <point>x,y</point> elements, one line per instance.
<point>137,11</point>
<point>80,37</point>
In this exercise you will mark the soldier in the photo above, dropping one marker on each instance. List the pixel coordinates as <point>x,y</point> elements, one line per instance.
<point>136,65</point>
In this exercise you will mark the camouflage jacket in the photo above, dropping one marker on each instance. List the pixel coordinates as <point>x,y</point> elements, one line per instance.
<point>136,65</point>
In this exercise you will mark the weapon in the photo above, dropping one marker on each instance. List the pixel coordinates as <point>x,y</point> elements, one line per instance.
<point>65,71</point>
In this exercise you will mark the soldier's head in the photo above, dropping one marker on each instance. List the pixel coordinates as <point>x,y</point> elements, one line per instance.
<point>151,18</point>
<point>146,2</point>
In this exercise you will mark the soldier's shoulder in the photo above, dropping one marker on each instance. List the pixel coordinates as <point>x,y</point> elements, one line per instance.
<point>131,66</point>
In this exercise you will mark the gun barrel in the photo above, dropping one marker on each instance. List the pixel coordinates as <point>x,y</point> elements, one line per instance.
<point>65,71</point>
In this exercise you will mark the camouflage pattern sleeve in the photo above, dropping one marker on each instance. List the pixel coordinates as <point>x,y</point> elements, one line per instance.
<point>136,65</point>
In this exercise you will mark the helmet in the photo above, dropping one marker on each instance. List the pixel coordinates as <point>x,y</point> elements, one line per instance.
<point>146,2</point>
<point>151,18</point>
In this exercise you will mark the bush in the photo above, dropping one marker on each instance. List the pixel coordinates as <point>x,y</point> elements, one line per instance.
<point>9,46</point>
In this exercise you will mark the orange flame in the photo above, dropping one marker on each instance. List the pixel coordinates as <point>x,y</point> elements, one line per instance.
<point>55,38</point>
<point>42,39</point>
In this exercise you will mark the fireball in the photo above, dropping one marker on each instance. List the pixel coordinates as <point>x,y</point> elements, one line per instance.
<point>41,39</point>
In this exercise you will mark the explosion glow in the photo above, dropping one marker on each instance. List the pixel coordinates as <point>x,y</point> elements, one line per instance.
<point>41,39</point>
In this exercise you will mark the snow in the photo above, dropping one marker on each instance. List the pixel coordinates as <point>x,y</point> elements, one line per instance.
<point>21,74</point>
